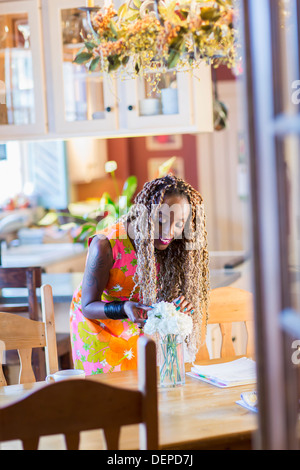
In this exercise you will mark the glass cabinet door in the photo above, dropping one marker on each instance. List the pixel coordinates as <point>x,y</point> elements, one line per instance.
<point>159,101</point>
<point>83,101</point>
<point>171,100</point>
<point>22,104</point>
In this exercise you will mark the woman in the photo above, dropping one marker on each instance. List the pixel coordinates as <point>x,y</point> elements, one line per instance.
<point>157,252</point>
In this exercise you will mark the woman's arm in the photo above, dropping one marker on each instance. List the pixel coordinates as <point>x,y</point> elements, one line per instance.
<point>96,275</point>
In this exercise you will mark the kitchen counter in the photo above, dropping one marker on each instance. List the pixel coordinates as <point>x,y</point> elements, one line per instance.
<point>52,257</point>
<point>64,284</point>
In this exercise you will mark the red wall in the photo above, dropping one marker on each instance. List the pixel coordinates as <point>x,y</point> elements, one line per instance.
<point>132,155</point>
<point>139,156</point>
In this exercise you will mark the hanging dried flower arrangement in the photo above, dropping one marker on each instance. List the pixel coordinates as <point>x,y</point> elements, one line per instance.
<point>151,35</point>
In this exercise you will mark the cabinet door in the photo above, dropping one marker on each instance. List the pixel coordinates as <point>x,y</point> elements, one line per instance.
<point>79,101</point>
<point>22,104</point>
<point>175,106</point>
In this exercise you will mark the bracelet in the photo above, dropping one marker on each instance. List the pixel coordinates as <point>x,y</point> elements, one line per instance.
<point>115,310</point>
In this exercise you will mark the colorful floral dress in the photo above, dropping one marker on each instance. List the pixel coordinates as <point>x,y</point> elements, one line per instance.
<point>100,346</point>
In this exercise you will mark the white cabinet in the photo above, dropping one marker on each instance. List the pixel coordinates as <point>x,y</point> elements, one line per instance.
<point>182,104</point>
<point>22,100</point>
<point>79,101</point>
<point>90,104</point>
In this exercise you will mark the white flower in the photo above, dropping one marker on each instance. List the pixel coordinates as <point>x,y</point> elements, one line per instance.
<point>110,166</point>
<point>164,319</point>
<point>129,354</point>
<point>117,288</point>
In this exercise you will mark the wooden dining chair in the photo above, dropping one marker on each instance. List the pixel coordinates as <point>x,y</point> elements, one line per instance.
<point>30,278</point>
<point>24,334</point>
<point>229,305</point>
<point>71,406</point>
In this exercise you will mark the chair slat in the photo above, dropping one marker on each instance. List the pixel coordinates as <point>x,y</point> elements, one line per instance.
<point>112,436</point>
<point>251,338</point>
<point>20,333</point>
<point>17,277</point>
<point>229,305</point>
<point>26,372</point>
<point>2,352</point>
<point>49,320</point>
<point>227,349</point>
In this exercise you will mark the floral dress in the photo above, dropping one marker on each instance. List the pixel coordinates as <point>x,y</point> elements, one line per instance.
<point>100,346</point>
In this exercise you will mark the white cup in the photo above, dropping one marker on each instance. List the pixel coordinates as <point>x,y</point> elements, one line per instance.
<point>149,106</point>
<point>68,374</point>
<point>169,99</point>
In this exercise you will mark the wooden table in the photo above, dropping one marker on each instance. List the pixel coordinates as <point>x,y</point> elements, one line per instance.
<point>194,416</point>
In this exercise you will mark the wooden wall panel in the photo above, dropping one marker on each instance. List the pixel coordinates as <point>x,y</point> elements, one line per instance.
<point>220,178</point>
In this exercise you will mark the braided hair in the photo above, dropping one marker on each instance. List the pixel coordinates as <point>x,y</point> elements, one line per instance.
<point>184,265</point>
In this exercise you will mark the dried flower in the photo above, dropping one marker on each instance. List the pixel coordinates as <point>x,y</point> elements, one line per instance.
<point>180,37</point>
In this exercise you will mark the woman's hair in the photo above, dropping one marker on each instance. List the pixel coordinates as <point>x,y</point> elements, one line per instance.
<point>183,266</point>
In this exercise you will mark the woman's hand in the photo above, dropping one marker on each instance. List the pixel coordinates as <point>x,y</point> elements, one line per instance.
<point>183,305</point>
<point>136,312</point>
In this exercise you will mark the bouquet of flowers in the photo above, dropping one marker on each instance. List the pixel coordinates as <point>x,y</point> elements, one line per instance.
<point>149,35</point>
<point>173,327</point>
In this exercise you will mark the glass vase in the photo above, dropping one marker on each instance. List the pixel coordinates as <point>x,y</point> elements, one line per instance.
<point>171,361</point>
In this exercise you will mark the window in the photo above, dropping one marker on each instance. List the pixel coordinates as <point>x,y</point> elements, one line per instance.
<point>10,172</point>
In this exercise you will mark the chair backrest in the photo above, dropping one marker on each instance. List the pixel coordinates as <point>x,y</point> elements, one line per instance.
<point>230,305</point>
<point>68,407</point>
<point>28,277</point>
<point>25,334</point>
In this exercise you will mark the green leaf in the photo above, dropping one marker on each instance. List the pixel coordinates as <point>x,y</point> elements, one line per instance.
<point>48,219</point>
<point>90,45</point>
<point>210,14</point>
<point>89,337</point>
<point>94,64</point>
<point>78,365</point>
<point>83,57</point>
<point>129,187</point>
<point>97,354</point>
<point>109,220</point>
<point>173,59</point>
<point>137,3</point>
<point>113,28</point>
<point>207,27</point>
<point>114,63</point>
<point>107,198</point>
<point>112,209</point>
<point>85,234</point>
<point>125,60</point>
<point>132,16</point>
<point>122,10</point>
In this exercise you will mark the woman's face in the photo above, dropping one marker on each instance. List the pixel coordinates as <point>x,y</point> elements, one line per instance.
<point>171,219</point>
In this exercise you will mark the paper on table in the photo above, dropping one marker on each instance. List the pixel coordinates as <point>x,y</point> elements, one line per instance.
<point>249,401</point>
<point>229,374</point>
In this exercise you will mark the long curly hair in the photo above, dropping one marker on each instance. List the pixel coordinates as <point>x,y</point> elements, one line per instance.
<point>184,265</point>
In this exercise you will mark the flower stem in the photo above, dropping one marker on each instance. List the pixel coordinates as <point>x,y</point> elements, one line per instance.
<point>170,368</point>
